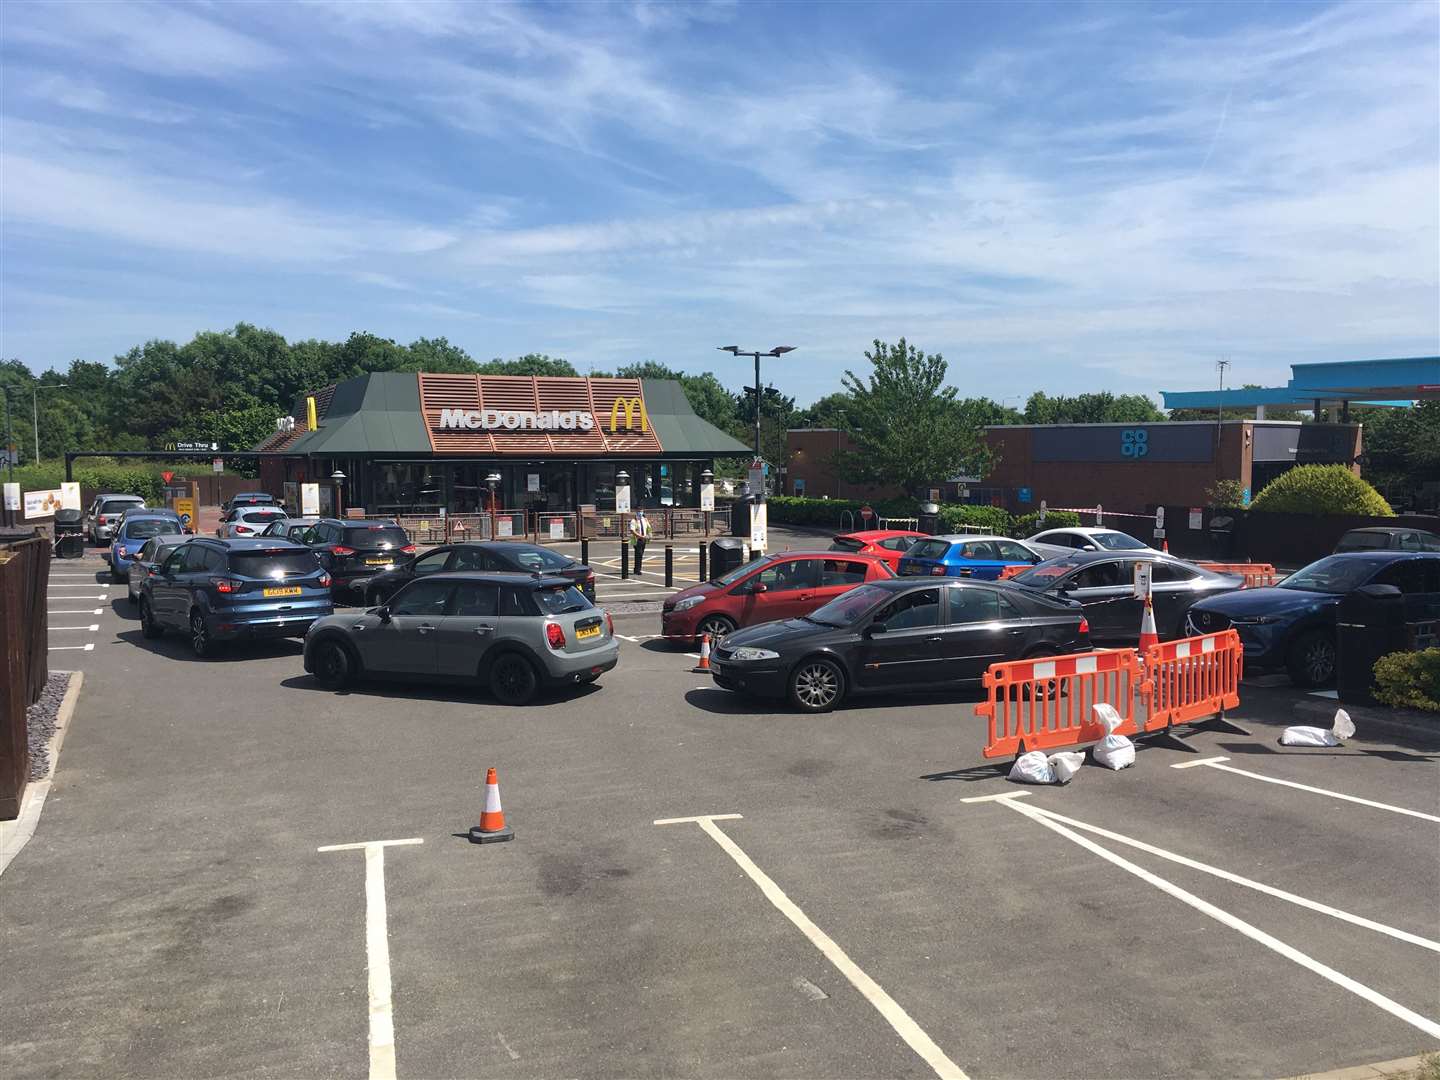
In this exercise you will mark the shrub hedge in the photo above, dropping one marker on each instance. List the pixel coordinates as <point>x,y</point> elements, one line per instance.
<point>1321,489</point>
<point>1409,680</point>
<point>143,480</point>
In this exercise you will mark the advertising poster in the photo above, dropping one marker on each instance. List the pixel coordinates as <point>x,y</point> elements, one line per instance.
<point>759,527</point>
<point>70,497</point>
<point>40,504</point>
<point>707,497</point>
<point>504,527</point>
<point>622,499</point>
<point>12,496</point>
<point>309,500</point>
<point>532,481</point>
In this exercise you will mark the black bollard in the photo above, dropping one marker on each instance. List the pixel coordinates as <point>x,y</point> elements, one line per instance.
<point>585,552</point>
<point>624,558</point>
<point>704,562</point>
<point>669,566</point>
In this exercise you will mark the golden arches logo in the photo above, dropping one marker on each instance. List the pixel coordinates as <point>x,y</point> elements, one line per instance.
<point>631,406</point>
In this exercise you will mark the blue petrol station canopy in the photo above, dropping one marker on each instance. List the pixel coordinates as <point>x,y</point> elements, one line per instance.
<point>1364,382</point>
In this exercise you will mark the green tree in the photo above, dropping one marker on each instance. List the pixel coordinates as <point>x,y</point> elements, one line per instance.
<point>439,356</point>
<point>1101,408</point>
<point>705,393</point>
<point>1400,448</point>
<point>530,364</point>
<point>908,429</point>
<point>1320,489</point>
<point>831,411</point>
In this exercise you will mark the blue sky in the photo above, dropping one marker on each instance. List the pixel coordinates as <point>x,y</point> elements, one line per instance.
<point>1064,197</point>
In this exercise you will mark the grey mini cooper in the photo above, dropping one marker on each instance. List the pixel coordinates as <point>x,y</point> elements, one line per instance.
<point>514,633</point>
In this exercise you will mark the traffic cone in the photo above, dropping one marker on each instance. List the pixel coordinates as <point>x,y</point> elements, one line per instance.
<point>703,667</point>
<point>1165,545</point>
<point>492,828</point>
<point>1148,634</point>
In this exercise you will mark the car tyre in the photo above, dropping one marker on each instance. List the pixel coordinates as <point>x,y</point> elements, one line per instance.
<point>816,685</point>
<point>148,626</point>
<point>334,665</point>
<point>717,626</point>
<point>1311,660</point>
<point>201,644</point>
<point>513,680</point>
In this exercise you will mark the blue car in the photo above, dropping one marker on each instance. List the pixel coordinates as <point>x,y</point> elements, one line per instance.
<point>224,590</point>
<point>130,537</point>
<point>1292,625</point>
<point>983,557</point>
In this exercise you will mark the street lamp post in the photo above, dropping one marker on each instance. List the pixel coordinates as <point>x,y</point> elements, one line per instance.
<point>337,478</point>
<point>735,350</point>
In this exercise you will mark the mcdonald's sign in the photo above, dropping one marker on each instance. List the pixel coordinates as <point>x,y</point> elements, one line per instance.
<point>631,405</point>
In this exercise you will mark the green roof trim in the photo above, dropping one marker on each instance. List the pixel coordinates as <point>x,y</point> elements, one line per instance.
<point>380,413</point>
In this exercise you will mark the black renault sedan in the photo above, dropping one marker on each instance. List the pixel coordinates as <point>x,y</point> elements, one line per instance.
<point>896,636</point>
<point>487,556</point>
<point>1104,584</point>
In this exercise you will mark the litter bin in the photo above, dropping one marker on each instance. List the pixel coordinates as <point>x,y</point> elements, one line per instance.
<point>1222,537</point>
<point>1370,624</point>
<point>930,518</point>
<point>740,515</point>
<point>69,534</point>
<point>726,554</point>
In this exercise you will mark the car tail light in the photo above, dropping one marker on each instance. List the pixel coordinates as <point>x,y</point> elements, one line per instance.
<point>937,571</point>
<point>325,580</point>
<point>240,530</point>
<point>225,584</point>
<point>554,636</point>
<point>1084,625</point>
<point>609,624</point>
<point>590,578</point>
<point>341,549</point>
<point>104,520</point>
<point>408,549</point>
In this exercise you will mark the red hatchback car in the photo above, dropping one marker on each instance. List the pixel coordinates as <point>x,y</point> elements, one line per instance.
<point>781,586</point>
<point>887,544</point>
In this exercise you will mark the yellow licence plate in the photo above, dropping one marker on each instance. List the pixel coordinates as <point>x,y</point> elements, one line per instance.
<point>587,632</point>
<point>377,562</point>
<point>288,590</point>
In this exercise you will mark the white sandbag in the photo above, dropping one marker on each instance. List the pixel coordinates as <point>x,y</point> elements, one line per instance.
<point>1304,735</point>
<point>1066,764</point>
<point>1113,751</point>
<point>1032,768</point>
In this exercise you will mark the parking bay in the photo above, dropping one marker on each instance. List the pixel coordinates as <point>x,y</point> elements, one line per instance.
<point>173,917</point>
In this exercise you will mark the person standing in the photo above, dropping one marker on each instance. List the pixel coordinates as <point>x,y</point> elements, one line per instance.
<point>640,530</point>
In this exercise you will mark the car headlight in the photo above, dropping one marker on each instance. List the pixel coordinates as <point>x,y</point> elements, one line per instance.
<point>745,652</point>
<point>687,603</point>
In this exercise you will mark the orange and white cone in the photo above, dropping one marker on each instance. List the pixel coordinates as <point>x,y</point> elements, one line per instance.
<point>1165,545</point>
<point>1148,634</point>
<point>492,828</point>
<point>703,667</point>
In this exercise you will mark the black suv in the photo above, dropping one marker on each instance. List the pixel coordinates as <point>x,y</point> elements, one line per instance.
<point>217,590</point>
<point>357,549</point>
<point>489,556</point>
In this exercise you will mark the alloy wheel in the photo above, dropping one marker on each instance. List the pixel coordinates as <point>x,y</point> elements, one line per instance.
<point>199,635</point>
<point>817,685</point>
<point>1319,660</point>
<point>716,627</point>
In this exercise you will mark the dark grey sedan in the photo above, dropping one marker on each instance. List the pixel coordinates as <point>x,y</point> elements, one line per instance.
<point>511,632</point>
<point>1104,584</point>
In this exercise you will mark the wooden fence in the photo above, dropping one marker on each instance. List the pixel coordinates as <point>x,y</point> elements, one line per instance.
<point>24,576</point>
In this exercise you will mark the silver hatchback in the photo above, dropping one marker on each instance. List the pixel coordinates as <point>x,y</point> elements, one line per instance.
<point>514,633</point>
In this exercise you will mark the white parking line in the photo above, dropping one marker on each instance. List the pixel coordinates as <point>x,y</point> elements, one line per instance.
<point>74,611</point>
<point>602,597</point>
<point>872,991</point>
<point>1394,1008</point>
<point>72,648</point>
<point>70,598</point>
<point>87,585</point>
<point>377,954</point>
<point>1214,763</point>
<point>1268,890</point>
<point>91,628</point>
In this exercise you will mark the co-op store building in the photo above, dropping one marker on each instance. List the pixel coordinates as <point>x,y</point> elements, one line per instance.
<point>413,443</point>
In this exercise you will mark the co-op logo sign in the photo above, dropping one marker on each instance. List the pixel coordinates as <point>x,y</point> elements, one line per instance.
<point>632,409</point>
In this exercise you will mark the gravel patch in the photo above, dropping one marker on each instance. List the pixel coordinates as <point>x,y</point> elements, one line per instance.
<point>40,720</point>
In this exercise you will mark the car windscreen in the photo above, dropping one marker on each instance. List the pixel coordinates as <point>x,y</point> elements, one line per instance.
<point>846,543</point>
<point>739,572</point>
<point>928,549</point>
<point>1043,575</point>
<point>561,600</point>
<point>848,607</point>
<point>139,530</point>
<point>119,506</point>
<point>1334,574</point>
<point>376,536</point>
<point>265,563</point>
<point>1116,541</point>
<point>539,558</point>
<point>1360,541</point>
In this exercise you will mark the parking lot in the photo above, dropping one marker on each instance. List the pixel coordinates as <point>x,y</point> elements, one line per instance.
<point>851,911</point>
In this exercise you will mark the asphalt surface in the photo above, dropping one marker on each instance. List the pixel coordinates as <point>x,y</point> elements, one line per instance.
<point>171,916</point>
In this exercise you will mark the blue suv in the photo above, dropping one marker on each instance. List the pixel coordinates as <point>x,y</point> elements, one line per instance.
<point>223,590</point>
<point>130,536</point>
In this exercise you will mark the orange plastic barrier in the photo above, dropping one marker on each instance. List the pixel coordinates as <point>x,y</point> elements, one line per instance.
<point>1011,571</point>
<point>1048,702</point>
<point>1255,574</point>
<point>1191,679</point>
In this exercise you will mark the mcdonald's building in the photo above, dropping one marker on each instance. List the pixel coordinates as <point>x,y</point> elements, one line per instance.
<point>411,443</point>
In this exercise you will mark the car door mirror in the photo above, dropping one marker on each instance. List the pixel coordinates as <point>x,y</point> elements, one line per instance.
<point>759,587</point>
<point>383,613</point>
<point>876,628</point>
<point>1088,547</point>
